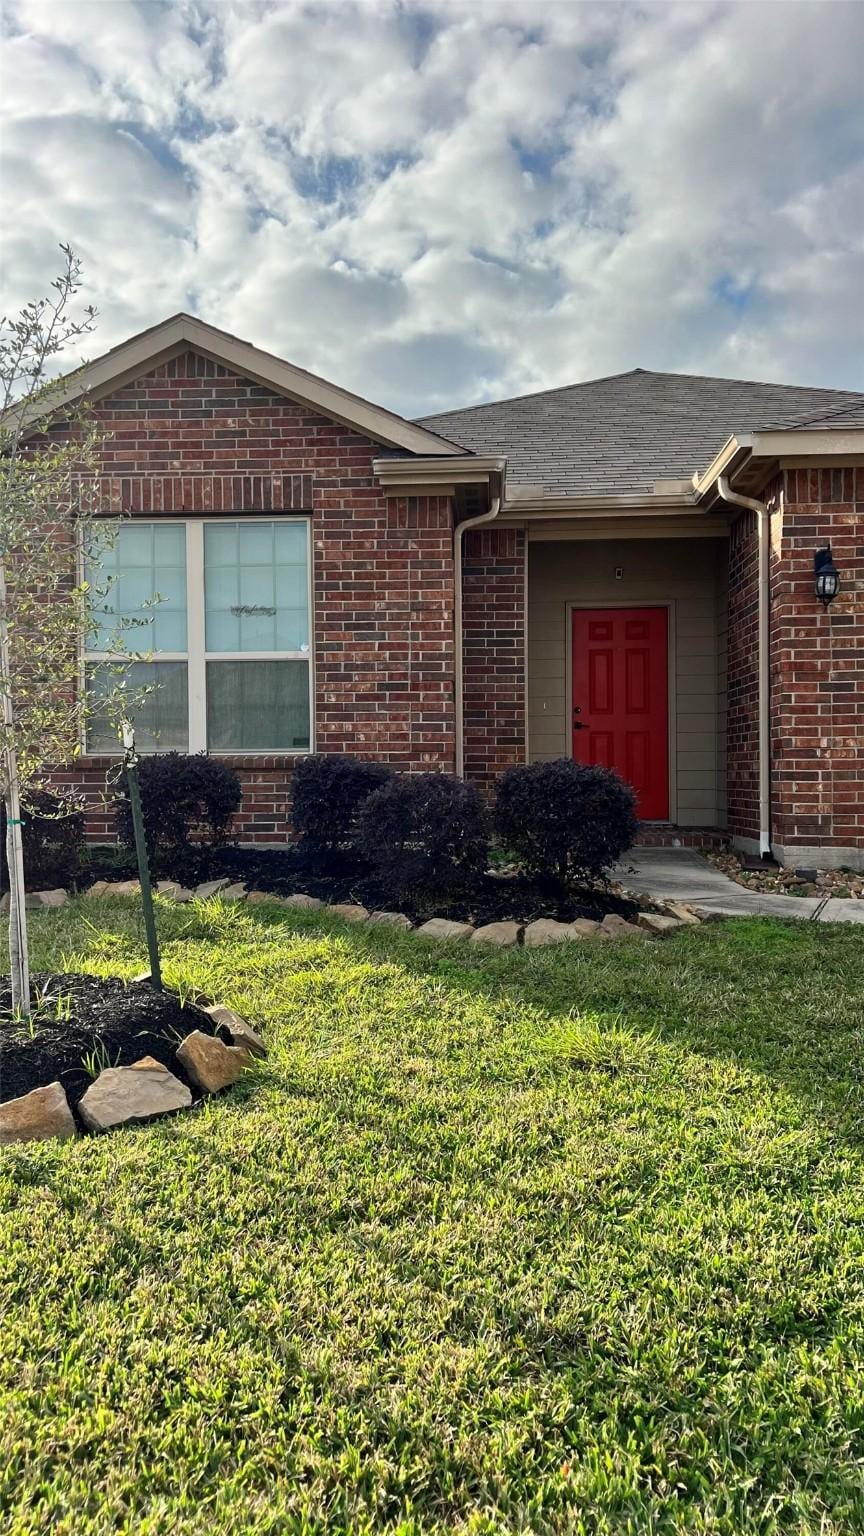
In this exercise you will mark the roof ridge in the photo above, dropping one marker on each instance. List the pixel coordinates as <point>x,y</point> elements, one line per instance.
<point>706,378</point>
<point>839,410</point>
<point>532,394</point>
<point>723,378</point>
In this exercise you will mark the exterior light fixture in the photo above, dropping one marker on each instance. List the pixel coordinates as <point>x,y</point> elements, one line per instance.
<point>827,576</point>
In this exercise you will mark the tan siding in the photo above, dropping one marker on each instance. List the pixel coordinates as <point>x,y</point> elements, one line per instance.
<point>685,572</point>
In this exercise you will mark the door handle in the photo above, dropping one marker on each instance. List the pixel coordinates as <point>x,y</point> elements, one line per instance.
<point>578,725</point>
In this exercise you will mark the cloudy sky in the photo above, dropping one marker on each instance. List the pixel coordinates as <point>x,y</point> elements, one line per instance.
<point>434,202</point>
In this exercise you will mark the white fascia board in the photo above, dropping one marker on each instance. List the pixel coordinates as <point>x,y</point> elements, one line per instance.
<point>468,469</point>
<point>144,352</point>
<point>721,463</point>
<point>780,447</point>
<point>634,503</point>
<point>696,524</point>
<point>807,442</point>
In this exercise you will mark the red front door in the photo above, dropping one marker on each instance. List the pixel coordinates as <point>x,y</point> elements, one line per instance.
<point>621,699</point>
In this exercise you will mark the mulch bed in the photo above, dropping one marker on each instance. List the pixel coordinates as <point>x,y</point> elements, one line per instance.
<point>120,1021</point>
<point>285,871</point>
<point>777,880</point>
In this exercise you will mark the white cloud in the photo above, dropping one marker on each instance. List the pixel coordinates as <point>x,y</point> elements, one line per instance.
<point>440,201</point>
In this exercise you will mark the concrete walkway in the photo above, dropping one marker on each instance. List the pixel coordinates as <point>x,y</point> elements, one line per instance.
<point>680,874</point>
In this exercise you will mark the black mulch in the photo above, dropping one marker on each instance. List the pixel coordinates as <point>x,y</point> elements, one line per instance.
<point>119,1021</point>
<point>285,871</point>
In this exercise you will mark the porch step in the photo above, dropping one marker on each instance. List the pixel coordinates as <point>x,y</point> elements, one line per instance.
<point>653,834</point>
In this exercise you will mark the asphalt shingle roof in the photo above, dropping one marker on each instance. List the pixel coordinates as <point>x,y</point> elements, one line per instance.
<point>622,433</point>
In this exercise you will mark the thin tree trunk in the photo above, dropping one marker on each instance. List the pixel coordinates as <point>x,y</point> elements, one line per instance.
<point>19,965</point>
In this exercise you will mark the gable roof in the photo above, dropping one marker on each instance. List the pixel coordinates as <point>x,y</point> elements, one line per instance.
<point>182,332</point>
<point>622,434</point>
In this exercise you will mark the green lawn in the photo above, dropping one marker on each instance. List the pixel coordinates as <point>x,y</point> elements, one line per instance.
<point>560,1241</point>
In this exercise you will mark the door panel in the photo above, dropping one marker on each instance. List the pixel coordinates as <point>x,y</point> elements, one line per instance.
<point>600,681</point>
<point>621,699</point>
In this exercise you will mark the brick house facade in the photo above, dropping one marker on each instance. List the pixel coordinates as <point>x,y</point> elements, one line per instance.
<point>204,429</point>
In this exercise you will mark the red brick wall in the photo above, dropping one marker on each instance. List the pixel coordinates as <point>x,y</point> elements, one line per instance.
<point>191,437</point>
<point>817,665</point>
<point>384,628</point>
<point>266,783</point>
<point>742,715</point>
<point>494,618</point>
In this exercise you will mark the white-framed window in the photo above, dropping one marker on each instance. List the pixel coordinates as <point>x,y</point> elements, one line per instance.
<point>227,637</point>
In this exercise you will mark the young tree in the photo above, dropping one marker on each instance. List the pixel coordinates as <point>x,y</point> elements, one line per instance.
<point>49,455</point>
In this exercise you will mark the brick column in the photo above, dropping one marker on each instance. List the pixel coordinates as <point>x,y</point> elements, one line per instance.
<point>817,669</point>
<point>494,619</point>
<point>742,714</point>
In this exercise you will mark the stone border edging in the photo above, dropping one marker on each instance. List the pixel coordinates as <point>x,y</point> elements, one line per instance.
<point>143,1091</point>
<point>504,934</point>
<point>507,933</point>
<point>147,1089</point>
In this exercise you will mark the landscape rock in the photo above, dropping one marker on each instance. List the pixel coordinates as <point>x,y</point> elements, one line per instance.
<point>684,913</point>
<point>349,911</point>
<point>210,1064</point>
<point>234,892</point>
<point>445,928</point>
<point>658,922</point>
<point>504,934</point>
<point>121,1095</point>
<point>584,928</point>
<point>209,888</point>
<point>97,889</point>
<point>391,920</point>
<point>619,928</point>
<point>122,888</point>
<point>255,897</point>
<point>547,930</point>
<point>173,891</point>
<point>240,1031</point>
<point>37,1116</point>
<point>302,902</point>
<point>33,900</point>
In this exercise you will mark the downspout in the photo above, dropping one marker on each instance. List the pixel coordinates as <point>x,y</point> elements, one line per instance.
<point>764,641</point>
<point>459,692</point>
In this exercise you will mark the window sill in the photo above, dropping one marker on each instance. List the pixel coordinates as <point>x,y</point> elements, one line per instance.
<point>266,759</point>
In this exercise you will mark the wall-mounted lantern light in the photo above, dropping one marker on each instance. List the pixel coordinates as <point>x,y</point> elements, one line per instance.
<point>827,576</point>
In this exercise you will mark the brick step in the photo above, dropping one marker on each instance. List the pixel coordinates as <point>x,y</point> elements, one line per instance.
<point>653,834</point>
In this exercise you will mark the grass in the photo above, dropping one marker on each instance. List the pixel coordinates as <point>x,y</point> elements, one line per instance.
<point>552,1241</point>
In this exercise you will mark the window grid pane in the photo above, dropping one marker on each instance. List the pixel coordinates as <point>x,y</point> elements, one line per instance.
<point>255,586</point>
<point>257,706</point>
<point>162,719</point>
<point>146,561</point>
